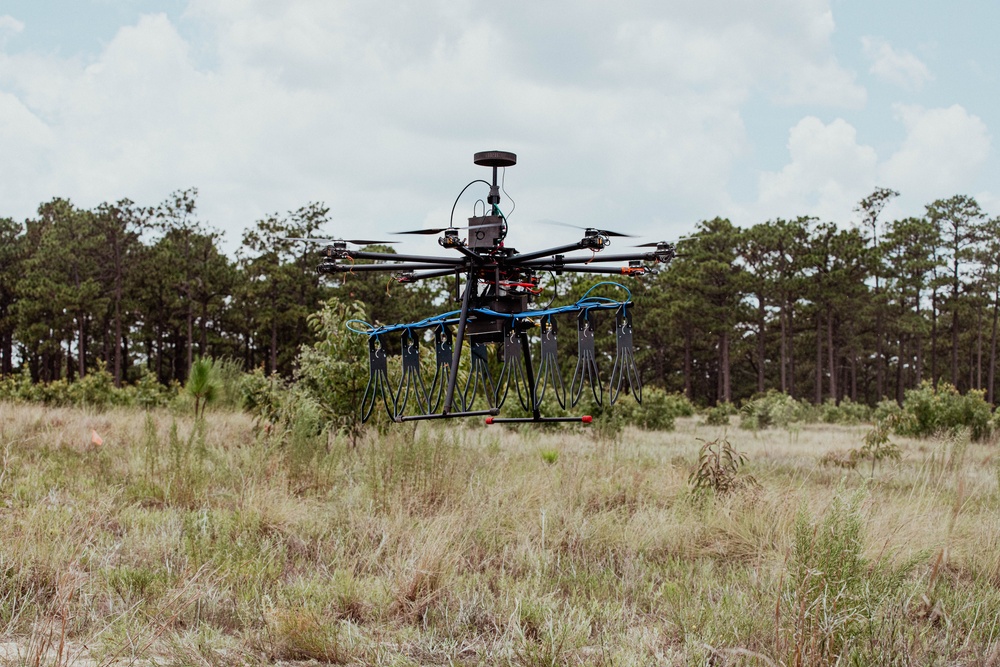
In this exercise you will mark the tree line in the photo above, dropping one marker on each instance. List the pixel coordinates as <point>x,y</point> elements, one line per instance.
<point>814,309</point>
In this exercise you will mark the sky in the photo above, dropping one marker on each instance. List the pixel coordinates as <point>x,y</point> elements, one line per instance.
<point>642,117</point>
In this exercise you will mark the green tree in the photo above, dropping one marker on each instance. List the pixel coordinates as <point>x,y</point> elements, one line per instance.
<point>959,221</point>
<point>870,208</point>
<point>717,284</point>
<point>909,247</point>
<point>119,226</point>
<point>334,369</point>
<point>60,286</point>
<point>12,248</point>
<point>281,280</point>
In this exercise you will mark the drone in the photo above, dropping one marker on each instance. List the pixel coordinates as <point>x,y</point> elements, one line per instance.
<point>497,287</point>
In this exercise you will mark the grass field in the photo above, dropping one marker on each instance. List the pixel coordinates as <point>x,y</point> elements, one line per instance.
<point>178,544</point>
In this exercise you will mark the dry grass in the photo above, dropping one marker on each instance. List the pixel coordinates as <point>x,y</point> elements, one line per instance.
<point>179,544</point>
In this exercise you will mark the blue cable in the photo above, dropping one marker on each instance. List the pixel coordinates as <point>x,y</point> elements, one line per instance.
<point>586,302</point>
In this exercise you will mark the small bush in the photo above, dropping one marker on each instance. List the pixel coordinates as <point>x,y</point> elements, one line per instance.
<point>719,415</point>
<point>772,409</point>
<point>657,412</point>
<point>846,412</point>
<point>719,468</point>
<point>927,412</point>
<point>550,456</point>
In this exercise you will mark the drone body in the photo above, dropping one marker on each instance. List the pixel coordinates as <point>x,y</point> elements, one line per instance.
<point>496,286</point>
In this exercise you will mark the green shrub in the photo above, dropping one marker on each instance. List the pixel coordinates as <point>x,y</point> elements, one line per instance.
<point>773,409</point>
<point>147,392</point>
<point>886,408</point>
<point>334,369</point>
<point>719,415</point>
<point>657,411</point>
<point>96,389</point>
<point>847,412</point>
<point>927,412</point>
<point>835,594</point>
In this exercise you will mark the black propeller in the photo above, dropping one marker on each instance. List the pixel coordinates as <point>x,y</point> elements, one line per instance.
<point>603,232</point>
<point>659,243</point>
<point>329,241</point>
<point>436,230</point>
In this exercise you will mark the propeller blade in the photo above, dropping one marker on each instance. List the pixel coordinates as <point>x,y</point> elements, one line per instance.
<point>656,243</point>
<point>436,230</point>
<point>329,241</point>
<point>606,232</point>
<point>423,231</point>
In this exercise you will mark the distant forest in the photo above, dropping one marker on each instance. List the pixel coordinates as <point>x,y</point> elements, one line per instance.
<point>808,307</point>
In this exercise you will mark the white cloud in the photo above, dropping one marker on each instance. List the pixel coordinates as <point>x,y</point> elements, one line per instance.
<point>828,173</point>
<point>10,25</point>
<point>901,68</point>
<point>943,150</point>
<point>628,113</point>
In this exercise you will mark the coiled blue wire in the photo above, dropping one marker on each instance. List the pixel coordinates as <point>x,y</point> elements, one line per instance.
<point>585,302</point>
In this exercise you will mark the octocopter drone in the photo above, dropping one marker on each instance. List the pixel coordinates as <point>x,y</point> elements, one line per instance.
<point>496,286</point>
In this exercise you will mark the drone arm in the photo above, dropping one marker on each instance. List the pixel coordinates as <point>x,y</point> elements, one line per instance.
<point>576,268</point>
<point>386,257</point>
<point>526,258</point>
<point>631,257</point>
<point>413,277</point>
<point>477,259</point>
<point>385,268</point>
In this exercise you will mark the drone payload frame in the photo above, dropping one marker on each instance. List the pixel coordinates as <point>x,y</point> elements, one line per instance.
<point>500,285</point>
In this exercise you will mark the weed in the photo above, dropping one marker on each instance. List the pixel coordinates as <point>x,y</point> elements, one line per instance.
<point>719,468</point>
<point>550,456</point>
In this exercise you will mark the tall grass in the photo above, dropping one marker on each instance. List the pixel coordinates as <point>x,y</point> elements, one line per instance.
<point>182,541</point>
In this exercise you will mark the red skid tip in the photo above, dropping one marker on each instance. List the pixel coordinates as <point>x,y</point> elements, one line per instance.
<point>489,420</point>
<point>586,419</point>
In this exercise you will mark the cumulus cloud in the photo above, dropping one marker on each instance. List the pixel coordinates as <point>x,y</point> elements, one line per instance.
<point>829,170</point>
<point>629,113</point>
<point>943,149</point>
<point>900,68</point>
<point>10,25</point>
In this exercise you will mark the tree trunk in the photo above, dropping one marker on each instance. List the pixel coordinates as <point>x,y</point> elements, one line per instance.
<point>726,394</point>
<point>203,343</point>
<point>688,385</point>
<point>190,337</point>
<point>118,343</point>
<point>761,343</point>
<point>954,345</point>
<point>831,356</point>
<point>979,351</point>
<point>819,360</point>
<point>901,349</point>
<point>791,354</point>
<point>934,364</point>
<point>82,349</point>
<point>274,346</point>
<point>991,373</point>
<point>879,350</point>
<point>854,375</point>
<point>784,350</point>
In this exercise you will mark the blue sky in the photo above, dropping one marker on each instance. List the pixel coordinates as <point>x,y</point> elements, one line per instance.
<point>644,118</point>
